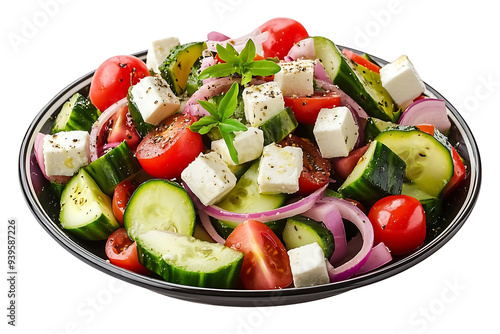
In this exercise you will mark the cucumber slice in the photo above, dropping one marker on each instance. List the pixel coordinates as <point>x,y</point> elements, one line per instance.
<point>85,210</point>
<point>378,173</point>
<point>185,260</point>
<point>429,163</point>
<point>374,126</point>
<point>193,82</point>
<point>279,126</point>
<point>177,66</point>
<point>433,206</point>
<point>113,168</point>
<point>246,198</point>
<point>159,205</point>
<point>76,114</point>
<point>362,85</point>
<point>300,231</point>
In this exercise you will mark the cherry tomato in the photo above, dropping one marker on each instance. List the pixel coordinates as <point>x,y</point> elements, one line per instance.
<point>306,108</point>
<point>399,222</point>
<point>266,264</point>
<point>170,147</point>
<point>361,61</point>
<point>120,127</point>
<point>283,33</point>
<point>121,196</point>
<point>316,169</point>
<point>342,167</point>
<point>113,78</point>
<point>122,252</point>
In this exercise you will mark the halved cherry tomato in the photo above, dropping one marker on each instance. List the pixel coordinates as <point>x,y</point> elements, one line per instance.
<point>399,222</point>
<point>316,169</point>
<point>361,61</point>
<point>459,171</point>
<point>282,34</point>
<point>266,264</point>
<point>170,147</point>
<point>113,77</point>
<point>306,108</point>
<point>122,252</point>
<point>342,167</point>
<point>120,127</point>
<point>121,196</point>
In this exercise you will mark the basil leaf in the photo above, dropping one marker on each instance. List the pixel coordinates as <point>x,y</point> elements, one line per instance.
<point>248,53</point>
<point>228,54</point>
<point>263,67</point>
<point>217,71</point>
<point>229,102</point>
<point>210,107</point>
<point>235,124</point>
<point>202,122</point>
<point>229,139</point>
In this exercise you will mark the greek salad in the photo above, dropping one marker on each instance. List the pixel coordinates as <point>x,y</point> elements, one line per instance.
<point>269,161</point>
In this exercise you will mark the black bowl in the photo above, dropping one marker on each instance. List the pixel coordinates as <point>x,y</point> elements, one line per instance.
<point>45,208</point>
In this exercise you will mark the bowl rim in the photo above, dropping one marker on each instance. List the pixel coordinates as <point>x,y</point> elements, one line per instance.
<point>231,297</point>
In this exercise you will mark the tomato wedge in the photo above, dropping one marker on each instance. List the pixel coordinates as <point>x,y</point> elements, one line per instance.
<point>344,166</point>
<point>170,147</point>
<point>266,264</point>
<point>122,252</point>
<point>361,61</point>
<point>316,169</point>
<point>121,196</point>
<point>121,127</point>
<point>306,108</point>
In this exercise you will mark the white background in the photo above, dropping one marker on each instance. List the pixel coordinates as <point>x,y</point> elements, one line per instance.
<point>454,46</point>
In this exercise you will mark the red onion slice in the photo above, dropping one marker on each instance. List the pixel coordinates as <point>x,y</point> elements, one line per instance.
<point>204,93</point>
<point>207,224</point>
<point>100,123</point>
<point>257,36</point>
<point>286,211</point>
<point>379,256</point>
<point>427,111</point>
<point>302,49</point>
<point>320,72</point>
<point>329,214</point>
<point>217,36</point>
<point>350,212</point>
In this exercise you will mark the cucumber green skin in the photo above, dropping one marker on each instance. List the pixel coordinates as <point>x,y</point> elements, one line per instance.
<point>180,61</point>
<point>437,154</point>
<point>383,176</point>
<point>142,126</point>
<point>82,116</point>
<point>224,278</point>
<point>98,229</point>
<point>279,126</point>
<point>113,168</point>
<point>352,80</point>
<point>370,59</point>
<point>168,188</point>
<point>300,230</point>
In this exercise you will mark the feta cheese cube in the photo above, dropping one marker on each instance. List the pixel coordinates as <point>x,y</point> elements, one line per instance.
<point>248,144</point>
<point>158,51</point>
<point>336,132</point>
<point>308,265</point>
<point>154,99</point>
<point>65,152</point>
<point>296,77</point>
<point>401,81</point>
<point>262,102</point>
<point>209,178</point>
<point>279,169</point>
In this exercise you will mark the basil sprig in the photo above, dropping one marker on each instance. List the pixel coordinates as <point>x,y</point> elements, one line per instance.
<point>220,117</point>
<point>242,63</point>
